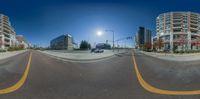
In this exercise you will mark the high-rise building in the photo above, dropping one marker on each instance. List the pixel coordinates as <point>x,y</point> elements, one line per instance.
<point>63,42</point>
<point>7,33</point>
<point>143,37</point>
<point>179,30</point>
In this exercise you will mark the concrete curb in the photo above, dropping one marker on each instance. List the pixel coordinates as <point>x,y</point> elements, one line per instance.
<point>170,54</point>
<point>176,58</point>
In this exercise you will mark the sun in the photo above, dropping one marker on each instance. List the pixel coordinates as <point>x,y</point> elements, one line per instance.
<point>99,33</point>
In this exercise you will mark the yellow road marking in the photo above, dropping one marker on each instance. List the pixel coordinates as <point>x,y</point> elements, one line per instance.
<point>153,89</point>
<point>20,82</point>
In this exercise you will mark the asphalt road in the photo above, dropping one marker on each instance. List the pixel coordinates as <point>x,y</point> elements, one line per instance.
<point>112,78</point>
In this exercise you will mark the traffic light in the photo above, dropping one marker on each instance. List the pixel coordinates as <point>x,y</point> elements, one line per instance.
<point>128,37</point>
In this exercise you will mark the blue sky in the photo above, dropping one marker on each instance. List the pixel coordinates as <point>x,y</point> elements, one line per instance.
<point>42,20</point>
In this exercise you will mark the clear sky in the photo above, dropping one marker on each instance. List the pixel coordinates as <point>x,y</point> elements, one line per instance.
<point>42,20</point>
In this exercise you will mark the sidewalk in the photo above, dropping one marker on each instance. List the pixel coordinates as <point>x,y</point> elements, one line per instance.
<point>81,55</point>
<point>174,57</point>
<point>4,55</point>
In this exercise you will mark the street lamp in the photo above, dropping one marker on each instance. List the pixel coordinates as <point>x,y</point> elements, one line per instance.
<point>113,37</point>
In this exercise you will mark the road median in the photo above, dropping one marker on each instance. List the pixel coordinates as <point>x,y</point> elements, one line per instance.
<point>81,55</point>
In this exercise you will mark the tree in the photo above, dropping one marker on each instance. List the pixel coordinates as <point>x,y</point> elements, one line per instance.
<point>147,46</point>
<point>197,42</point>
<point>85,45</point>
<point>1,42</point>
<point>181,41</point>
<point>21,46</point>
<point>158,43</point>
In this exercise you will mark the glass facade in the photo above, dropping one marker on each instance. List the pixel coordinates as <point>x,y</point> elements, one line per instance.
<point>63,42</point>
<point>143,37</point>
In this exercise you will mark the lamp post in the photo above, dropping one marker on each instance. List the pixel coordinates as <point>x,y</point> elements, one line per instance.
<point>113,37</point>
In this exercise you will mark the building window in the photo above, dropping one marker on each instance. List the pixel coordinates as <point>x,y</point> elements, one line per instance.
<point>168,31</point>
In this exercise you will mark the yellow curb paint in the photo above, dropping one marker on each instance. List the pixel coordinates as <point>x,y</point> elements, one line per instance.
<point>20,82</point>
<point>153,89</point>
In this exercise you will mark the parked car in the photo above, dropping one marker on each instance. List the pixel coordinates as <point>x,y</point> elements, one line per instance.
<point>99,51</point>
<point>96,50</point>
<point>166,50</point>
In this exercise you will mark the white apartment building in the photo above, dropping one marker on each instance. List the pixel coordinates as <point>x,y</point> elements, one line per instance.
<point>7,33</point>
<point>179,30</point>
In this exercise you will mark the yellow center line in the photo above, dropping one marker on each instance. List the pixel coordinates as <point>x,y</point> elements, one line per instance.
<point>20,82</point>
<point>153,89</point>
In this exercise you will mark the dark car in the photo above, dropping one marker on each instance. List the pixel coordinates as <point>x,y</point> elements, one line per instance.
<point>93,49</point>
<point>166,50</point>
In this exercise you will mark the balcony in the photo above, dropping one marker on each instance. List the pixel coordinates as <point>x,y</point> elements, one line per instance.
<point>6,35</point>
<point>6,31</point>
<point>193,21</point>
<point>6,41</point>
<point>6,27</point>
<point>6,24</point>
<point>5,17</point>
<point>193,16</point>
<point>177,22</point>
<point>5,20</point>
<point>177,29</point>
<point>6,38</point>
<point>193,30</point>
<point>177,15</point>
<point>177,19</point>
<point>177,25</point>
<point>194,26</point>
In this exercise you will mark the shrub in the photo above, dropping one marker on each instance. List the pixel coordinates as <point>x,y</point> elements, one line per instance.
<point>14,48</point>
<point>181,52</point>
<point>1,50</point>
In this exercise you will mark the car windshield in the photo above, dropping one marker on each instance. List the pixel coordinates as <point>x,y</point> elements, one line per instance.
<point>99,49</point>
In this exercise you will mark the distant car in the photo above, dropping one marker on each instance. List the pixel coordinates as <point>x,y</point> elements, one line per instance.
<point>42,49</point>
<point>166,50</point>
<point>96,50</point>
<point>93,49</point>
<point>99,51</point>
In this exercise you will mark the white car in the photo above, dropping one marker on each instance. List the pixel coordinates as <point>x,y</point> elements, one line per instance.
<point>96,50</point>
